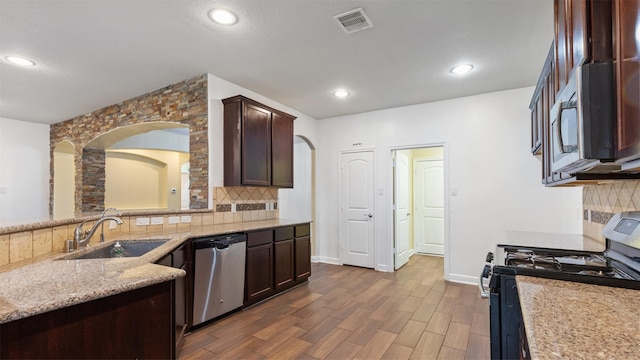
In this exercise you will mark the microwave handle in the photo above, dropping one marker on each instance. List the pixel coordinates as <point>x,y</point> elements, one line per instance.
<point>564,105</point>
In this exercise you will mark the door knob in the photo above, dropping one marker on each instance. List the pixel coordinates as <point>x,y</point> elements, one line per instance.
<point>368,215</point>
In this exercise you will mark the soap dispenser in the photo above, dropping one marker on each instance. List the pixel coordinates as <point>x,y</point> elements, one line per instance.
<point>117,250</point>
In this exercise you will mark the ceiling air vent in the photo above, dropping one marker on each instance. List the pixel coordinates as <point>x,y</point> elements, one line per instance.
<point>353,21</point>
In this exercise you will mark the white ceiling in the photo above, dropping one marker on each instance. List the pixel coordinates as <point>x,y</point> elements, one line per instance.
<point>95,53</point>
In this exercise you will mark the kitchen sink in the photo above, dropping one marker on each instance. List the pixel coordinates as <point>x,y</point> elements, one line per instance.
<point>131,248</point>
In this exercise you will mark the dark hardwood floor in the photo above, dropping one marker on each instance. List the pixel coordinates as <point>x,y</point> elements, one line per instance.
<point>346,312</point>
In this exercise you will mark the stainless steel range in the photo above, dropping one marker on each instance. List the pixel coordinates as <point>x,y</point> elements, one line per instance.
<point>618,266</point>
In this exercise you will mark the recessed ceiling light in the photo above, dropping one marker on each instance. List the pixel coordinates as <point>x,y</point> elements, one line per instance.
<point>461,69</point>
<point>19,61</point>
<point>223,17</point>
<point>341,93</point>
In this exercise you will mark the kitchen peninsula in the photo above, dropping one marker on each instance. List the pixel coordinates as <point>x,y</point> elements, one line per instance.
<point>32,295</point>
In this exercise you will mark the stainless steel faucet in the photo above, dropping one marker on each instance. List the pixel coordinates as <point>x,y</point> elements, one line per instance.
<point>82,238</point>
<point>104,213</point>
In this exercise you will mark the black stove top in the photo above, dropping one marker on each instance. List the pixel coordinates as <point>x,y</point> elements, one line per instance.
<point>618,265</point>
<point>572,265</point>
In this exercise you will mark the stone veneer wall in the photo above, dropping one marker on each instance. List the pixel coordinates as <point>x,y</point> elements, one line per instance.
<point>184,102</point>
<point>93,179</point>
<point>601,201</point>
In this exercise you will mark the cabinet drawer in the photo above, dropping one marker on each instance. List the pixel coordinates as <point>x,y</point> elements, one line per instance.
<point>284,233</point>
<point>259,238</point>
<point>303,230</point>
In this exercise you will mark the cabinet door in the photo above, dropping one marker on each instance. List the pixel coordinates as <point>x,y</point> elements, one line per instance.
<point>259,272</point>
<point>561,41</point>
<point>536,127</point>
<point>183,289</point>
<point>133,325</point>
<point>256,145</point>
<point>628,77</point>
<point>282,150</point>
<point>303,257</point>
<point>578,35</point>
<point>583,33</point>
<point>284,275</point>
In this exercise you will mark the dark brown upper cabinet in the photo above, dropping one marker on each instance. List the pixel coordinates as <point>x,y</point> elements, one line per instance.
<point>627,54</point>
<point>258,144</point>
<point>583,33</point>
<point>592,31</point>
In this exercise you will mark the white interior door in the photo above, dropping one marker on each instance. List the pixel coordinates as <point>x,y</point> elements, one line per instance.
<point>429,206</point>
<point>401,196</point>
<point>356,205</point>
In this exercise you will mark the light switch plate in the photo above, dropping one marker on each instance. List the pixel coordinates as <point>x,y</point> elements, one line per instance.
<point>142,221</point>
<point>156,220</point>
<point>186,219</point>
<point>174,220</point>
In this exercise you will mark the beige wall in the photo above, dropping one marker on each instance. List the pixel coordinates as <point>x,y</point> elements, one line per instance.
<point>601,201</point>
<point>64,183</point>
<point>143,179</point>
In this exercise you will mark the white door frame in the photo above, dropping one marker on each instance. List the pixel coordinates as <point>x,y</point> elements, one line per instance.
<point>389,201</point>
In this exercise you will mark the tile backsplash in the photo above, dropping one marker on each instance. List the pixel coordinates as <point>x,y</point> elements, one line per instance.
<point>601,201</point>
<point>251,204</point>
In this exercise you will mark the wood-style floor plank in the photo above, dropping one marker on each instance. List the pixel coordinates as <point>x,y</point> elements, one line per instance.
<point>346,312</point>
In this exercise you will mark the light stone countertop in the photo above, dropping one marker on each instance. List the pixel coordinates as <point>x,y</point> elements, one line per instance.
<point>568,320</point>
<point>56,283</point>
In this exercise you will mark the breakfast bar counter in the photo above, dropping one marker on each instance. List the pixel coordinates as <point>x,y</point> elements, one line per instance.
<point>60,281</point>
<point>569,320</point>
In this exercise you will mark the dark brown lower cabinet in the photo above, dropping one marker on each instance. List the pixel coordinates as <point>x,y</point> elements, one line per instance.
<point>259,266</point>
<point>137,324</point>
<point>277,259</point>
<point>284,260</point>
<point>303,257</point>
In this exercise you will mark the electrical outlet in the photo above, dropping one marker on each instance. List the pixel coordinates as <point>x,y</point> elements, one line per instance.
<point>186,219</point>
<point>233,207</point>
<point>174,220</point>
<point>142,221</point>
<point>112,225</point>
<point>157,220</point>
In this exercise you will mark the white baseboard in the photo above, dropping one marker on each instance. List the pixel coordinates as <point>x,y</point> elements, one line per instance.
<point>383,268</point>
<point>463,279</point>
<point>325,260</point>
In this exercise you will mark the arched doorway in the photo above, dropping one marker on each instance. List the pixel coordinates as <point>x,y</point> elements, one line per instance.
<point>299,203</point>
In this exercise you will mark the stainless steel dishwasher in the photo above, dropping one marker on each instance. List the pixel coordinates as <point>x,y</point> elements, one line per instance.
<point>218,284</point>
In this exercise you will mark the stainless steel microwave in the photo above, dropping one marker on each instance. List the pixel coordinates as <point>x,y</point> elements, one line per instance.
<point>583,122</point>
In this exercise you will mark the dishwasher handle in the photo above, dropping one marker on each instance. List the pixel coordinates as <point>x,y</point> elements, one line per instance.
<point>219,241</point>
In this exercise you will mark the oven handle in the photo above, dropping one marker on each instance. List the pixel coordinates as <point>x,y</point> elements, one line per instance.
<point>485,274</point>
<point>564,105</point>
